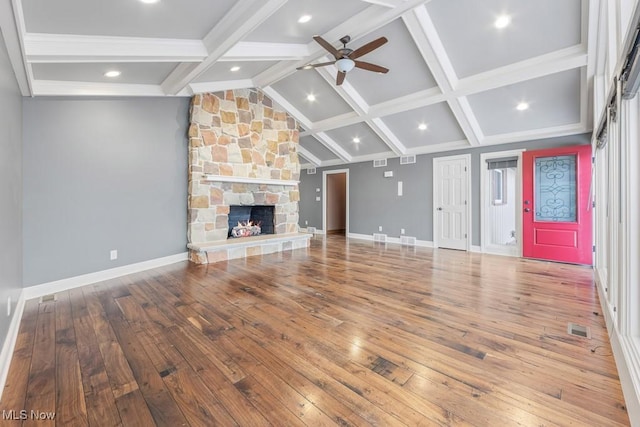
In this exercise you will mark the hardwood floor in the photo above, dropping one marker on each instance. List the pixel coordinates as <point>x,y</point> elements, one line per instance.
<point>344,333</point>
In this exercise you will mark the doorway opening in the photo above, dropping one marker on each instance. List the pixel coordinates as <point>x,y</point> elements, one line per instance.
<point>501,182</point>
<point>336,202</point>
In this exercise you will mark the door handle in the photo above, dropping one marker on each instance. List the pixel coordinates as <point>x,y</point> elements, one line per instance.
<point>527,210</point>
<point>439,209</point>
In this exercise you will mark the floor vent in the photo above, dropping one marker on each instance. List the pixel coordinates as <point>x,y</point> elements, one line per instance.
<point>311,171</point>
<point>47,298</point>
<point>407,160</point>
<point>579,330</point>
<point>311,230</point>
<point>380,163</point>
<point>378,237</point>
<point>407,240</point>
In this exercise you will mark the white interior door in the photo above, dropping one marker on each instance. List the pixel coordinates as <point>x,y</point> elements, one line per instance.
<point>451,202</point>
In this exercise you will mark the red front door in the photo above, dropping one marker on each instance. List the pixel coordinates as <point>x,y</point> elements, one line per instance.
<point>556,216</point>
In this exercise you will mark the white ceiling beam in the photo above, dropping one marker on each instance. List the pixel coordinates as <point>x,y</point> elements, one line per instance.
<point>335,148</point>
<point>550,132</point>
<point>220,85</point>
<point>242,19</point>
<point>67,88</point>
<point>428,41</point>
<point>540,66</point>
<point>44,48</point>
<point>308,155</point>
<point>389,138</point>
<point>297,114</point>
<point>436,148</point>
<point>398,105</point>
<point>260,51</point>
<point>12,25</point>
<point>374,156</point>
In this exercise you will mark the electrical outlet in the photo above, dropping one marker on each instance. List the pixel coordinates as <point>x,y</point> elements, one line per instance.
<point>380,228</point>
<point>8,306</point>
<point>402,231</point>
<point>113,254</point>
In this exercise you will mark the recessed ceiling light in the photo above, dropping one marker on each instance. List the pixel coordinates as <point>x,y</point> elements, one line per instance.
<point>149,1</point>
<point>502,21</point>
<point>311,97</point>
<point>522,106</point>
<point>112,73</point>
<point>422,126</point>
<point>304,18</point>
<point>234,68</point>
<point>356,140</point>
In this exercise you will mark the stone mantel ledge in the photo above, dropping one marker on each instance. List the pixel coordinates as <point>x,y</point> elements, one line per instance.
<point>248,241</point>
<point>245,180</point>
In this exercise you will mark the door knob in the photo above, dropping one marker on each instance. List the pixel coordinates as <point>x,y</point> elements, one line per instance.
<point>439,209</point>
<point>527,210</point>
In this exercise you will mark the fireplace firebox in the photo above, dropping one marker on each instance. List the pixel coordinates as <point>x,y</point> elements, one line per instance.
<point>246,221</point>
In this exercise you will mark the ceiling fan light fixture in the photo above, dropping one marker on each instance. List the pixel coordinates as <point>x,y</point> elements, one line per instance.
<point>345,65</point>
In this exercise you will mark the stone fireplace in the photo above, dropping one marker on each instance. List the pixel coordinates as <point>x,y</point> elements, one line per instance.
<point>242,152</point>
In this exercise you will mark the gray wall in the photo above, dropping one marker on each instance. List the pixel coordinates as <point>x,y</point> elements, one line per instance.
<point>10,190</point>
<point>373,199</point>
<point>102,174</point>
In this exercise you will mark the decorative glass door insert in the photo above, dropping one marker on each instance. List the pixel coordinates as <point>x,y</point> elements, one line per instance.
<point>555,188</point>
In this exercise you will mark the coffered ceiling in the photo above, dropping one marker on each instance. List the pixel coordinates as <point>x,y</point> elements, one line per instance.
<point>455,79</point>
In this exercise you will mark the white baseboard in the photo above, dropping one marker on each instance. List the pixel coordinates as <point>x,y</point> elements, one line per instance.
<point>477,249</point>
<point>394,240</point>
<point>626,353</point>
<point>6,353</point>
<point>87,279</point>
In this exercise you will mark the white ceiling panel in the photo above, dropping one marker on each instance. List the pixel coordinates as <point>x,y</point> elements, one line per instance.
<point>283,27</point>
<point>316,148</point>
<point>408,73</point>
<point>166,19</point>
<point>474,45</point>
<point>441,126</point>
<point>300,84</point>
<point>222,70</point>
<point>553,100</point>
<point>370,142</point>
<point>134,73</point>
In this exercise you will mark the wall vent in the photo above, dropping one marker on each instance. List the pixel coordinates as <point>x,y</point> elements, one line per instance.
<point>311,171</point>
<point>380,163</point>
<point>378,237</point>
<point>407,160</point>
<point>579,330</point>
<point>407,240</point>
<point>311,230</point>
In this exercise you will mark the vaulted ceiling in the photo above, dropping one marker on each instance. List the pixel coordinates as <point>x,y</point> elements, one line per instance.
<point>451,69</point>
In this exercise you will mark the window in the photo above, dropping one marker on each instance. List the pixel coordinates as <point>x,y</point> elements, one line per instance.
<point>498,187</point>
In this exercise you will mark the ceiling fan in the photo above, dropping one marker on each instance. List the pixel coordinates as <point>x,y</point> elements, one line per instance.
<point>346,58</point>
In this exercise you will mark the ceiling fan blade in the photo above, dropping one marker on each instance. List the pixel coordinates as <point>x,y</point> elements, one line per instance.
<point>340,78</point>
<point>325,44</point>
<point>371,67</point>
<point>310,66</point>
<point>363,50</point>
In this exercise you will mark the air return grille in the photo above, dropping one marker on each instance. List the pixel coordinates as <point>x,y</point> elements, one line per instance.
<point>579,330</point>
<point>380,163</point>
<point>311,171</point>
<point>407,160</point>
<point>378,237</point>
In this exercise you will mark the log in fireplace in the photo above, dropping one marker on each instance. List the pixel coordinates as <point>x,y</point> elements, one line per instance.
<point>246,221</point>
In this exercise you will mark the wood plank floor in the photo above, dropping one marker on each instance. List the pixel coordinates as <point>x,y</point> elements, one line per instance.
<point>347,333</point>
